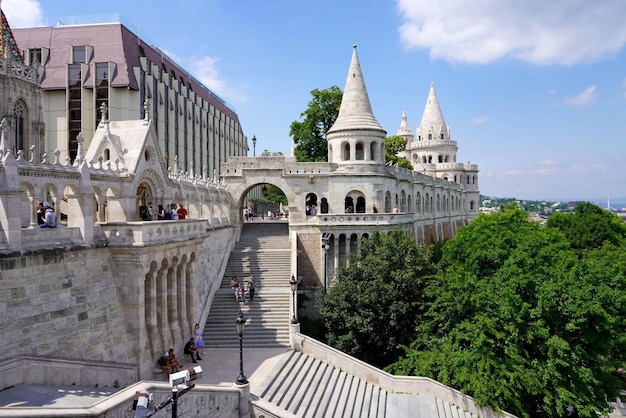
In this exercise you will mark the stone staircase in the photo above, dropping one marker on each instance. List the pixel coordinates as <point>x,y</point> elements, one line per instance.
<point>307,387</point>
<point>263,251</point>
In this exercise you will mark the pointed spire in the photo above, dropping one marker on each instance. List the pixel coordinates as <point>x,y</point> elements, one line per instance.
<point>432,119</point>
<point>8,46</point>
<point>404,128</point>
<point>355,111</point>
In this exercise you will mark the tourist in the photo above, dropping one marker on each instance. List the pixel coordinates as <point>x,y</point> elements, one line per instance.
<point>199,344</point>
<point>172,361</point>
<point>41,213</point>
<point>375,209</point>
<point>251,287</point>
<point>49,220</point>
<point>395,209</point>
<point>151,213</point>
<point>234,284</point>
<point>182,212</point>
<point>246,215</point>
<point>191,350</point>
<point>173,212</point>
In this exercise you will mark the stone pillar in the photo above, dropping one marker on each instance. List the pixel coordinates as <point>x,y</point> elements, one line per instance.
<point>348,250</point>
<point>151,313</point>
<point>161,297</point>
<point>181,298</point>
<point>172,312</point>
<point>293,330</point>
<point>10,195</point>
<point>244,400</point>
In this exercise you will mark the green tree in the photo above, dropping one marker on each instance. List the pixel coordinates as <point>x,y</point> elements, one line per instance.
<point>589,226</point>
<point>393,145</point>
<point>522,324</point>
<point>267,153</point>
<point>375,304</point>
<point>309,135</point>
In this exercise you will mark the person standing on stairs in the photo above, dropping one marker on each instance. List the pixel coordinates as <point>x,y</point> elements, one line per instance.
<point>251,287</point>
<point>199,341</point>
<point>234,284</point>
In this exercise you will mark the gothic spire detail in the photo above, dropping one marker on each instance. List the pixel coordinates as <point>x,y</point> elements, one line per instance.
<point>355,111</point>
<point>8,47</point>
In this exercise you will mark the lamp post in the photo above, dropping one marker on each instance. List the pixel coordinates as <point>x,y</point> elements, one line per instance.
<point>325,246</point>
<point>294,287</point>
<point>240,322</point>
<point>254,145</point>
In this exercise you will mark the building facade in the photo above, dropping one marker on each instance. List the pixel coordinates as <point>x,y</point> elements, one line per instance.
<point>85,68</point>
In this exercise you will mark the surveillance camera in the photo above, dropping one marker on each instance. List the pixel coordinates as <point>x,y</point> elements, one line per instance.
<point>179,378</point>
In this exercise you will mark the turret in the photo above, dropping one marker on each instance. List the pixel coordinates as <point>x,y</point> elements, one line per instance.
<point>356,137</point>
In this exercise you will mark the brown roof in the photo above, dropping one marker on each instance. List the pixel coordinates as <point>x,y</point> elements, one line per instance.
<point>111,42</point>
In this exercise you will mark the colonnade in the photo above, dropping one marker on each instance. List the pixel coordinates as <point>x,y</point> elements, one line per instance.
<point>169,303</point>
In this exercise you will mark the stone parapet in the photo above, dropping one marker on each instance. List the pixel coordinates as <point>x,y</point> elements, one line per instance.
<point>142,234</point>
<point>389,382</point>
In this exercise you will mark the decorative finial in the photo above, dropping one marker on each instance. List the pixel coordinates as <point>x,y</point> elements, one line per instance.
<point>354,46</point>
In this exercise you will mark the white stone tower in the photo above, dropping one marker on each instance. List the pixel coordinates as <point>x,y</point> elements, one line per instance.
<point>356,138</point>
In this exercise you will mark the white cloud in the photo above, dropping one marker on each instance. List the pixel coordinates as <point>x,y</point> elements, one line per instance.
<point>585,98</point>
<point>555,32</point>
<point>23,13</point>
<point>480,120</point>
<point>205,69</point>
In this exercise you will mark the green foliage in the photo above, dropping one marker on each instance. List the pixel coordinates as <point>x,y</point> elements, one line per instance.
<point>393,145</point>
<point>589,227</point>
<point>309,135</point>
<point>520,322</point>
<point>375,304</point>
<point>267,153</point>
<point>271,193</point>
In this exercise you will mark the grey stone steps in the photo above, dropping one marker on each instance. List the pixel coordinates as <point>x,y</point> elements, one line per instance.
<point>263,251</point>
<point>308,387</point>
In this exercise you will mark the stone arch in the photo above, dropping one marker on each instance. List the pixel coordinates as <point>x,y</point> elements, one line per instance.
<point>373,153</point>
<point>402,201</point>
<point>345,151</point>
<point>359,151</point>
<point>144,195</point>
<point>387,202</point>
<point>241,190</point>
<point>310,202</point>
<point>324,205</point>
<point>28,205</point>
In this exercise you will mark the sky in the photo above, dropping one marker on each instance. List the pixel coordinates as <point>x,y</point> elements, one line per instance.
<point>534,91</point>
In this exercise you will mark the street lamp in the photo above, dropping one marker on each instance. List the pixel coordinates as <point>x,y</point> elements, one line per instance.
<point>294,287</point>
<point>240,322</point>
<point>325,246</point>
<point>254,145</point>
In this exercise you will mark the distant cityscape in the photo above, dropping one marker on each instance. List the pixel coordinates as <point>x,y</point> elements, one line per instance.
<point>541,209</point>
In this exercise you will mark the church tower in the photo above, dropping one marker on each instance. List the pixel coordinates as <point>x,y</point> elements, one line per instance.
<point>20,98</point>
<point>356,137</point>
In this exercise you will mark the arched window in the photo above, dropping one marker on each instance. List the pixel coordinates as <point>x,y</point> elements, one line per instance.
<point>360,155</point>
<point>440,158</point>
<point>373,151</point>
<point>349,205</point>
<point>402,201</point>
<point>387,202</point>
<point>107,154</point>
<point>324,205</point>
<point>311,204</point>
<point>346,152</point>
<point>360,204</point>
<point>21,125</point>
<point>430,136</point>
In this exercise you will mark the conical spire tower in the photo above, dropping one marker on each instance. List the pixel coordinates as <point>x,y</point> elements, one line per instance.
<point>356,134</point>
<point>433,125</point>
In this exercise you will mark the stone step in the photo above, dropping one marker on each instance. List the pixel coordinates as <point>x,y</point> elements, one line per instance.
<point>264,252</point>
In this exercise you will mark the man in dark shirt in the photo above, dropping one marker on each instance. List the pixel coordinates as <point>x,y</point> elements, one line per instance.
<point>190,349</point>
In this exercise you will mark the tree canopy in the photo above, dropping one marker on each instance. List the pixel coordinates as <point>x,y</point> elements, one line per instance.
<point>523,323</point>
<point>309,135</point>
<point>374,305</point>
<point>393,145</point>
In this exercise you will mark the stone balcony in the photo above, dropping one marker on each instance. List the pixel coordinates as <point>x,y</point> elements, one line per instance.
<point>142,234</point>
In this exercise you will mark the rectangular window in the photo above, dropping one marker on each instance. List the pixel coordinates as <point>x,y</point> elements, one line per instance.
<point>79,54</point>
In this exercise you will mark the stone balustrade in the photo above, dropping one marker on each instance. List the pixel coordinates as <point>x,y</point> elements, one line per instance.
<point>369,219</point>
<point>141,234</point>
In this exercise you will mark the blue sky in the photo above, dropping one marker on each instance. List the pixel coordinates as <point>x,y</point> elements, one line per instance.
<point>534,91</point>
